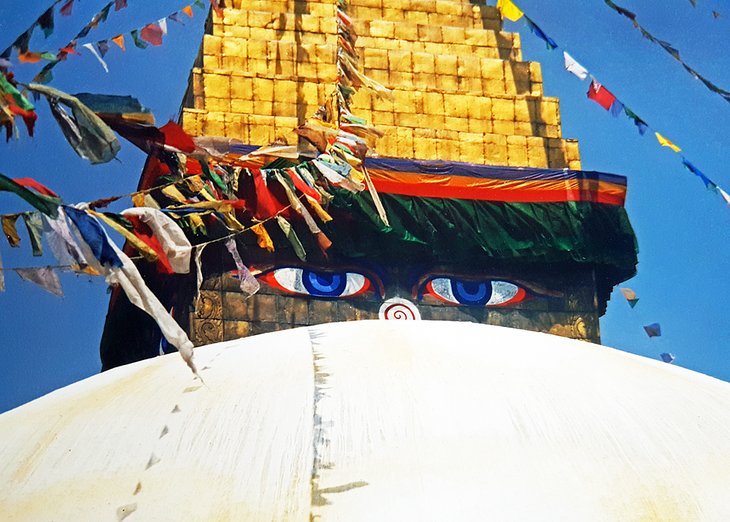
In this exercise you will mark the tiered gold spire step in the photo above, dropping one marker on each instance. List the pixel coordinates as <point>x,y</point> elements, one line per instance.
<point>461,91</point>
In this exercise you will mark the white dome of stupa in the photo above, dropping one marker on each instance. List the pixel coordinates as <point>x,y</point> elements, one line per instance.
<point>376,421</point>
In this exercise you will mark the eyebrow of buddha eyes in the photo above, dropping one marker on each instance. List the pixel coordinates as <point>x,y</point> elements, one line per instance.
<point>469,292</point>
<point>317,283</point>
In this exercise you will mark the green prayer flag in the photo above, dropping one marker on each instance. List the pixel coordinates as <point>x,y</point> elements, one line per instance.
<point>137,41</point>
<point>291,235</point>
<point>45,204</point>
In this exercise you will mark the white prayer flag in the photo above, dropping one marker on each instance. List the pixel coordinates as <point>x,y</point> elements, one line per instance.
<point>574,67</point>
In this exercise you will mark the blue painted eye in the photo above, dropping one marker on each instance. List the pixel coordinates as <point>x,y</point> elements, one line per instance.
<point>474,293</point>
<point>302,281</point>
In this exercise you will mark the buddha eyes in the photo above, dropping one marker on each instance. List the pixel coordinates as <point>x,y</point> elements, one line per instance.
<point>474,293</point>
<point>345,284</point>
<point>305,282</point>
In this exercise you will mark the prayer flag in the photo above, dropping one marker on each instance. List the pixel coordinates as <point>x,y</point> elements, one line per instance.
<point>46,22</point>
<point>188,10</point>
<point>103,14</point>
<point>667,357</point>
<point>551,45</point>
<point>5,64</point>
<point>509,10</point>
<point>90,47</point>
<point>119,40</point>
<point>103,47</point>
<point>66,8</point>
<point>630,296</point>
<point>599,94</point>
<point>119,4</point>
<point>616,108</point>
<point>574,67</point>
<point>152,34</point>
<point>175,18</point>
<point>34,225</point>
<point>162,22</point>
<point>664,142</point>
<point>135,37</point>
<point>249,284</point>
<point>653,330</point>
<point>724,195</point>
<point>199,3</point>
<point>709,184</point>
<point>45,277</point>
<point>641,124</point>
<point>10,231</point>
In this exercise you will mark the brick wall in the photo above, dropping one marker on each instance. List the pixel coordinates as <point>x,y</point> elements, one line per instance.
<point>461,90</point>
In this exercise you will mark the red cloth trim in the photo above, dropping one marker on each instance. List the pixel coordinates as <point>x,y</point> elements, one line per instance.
<point>485,189</point>
<point>31,183</point>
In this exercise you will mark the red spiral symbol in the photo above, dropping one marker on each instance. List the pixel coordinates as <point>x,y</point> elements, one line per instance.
<point>399,312</point>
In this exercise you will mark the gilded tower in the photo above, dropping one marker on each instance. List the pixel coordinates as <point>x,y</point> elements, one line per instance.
<point>489,216</point>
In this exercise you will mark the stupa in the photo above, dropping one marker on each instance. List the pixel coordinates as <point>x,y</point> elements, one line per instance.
<point>489,217</point>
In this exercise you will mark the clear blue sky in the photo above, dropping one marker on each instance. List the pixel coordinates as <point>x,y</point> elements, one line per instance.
<point>683,234</point>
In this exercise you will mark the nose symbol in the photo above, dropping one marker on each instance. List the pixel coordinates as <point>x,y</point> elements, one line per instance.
<point>399,309</point>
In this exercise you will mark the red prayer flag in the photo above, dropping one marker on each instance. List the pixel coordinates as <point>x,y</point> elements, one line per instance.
<point>599,94</point>
<point>152,33</point>
<point>176,137</point>
<point>120,4</point>
<point>66,8</point>
<point>31,183</point>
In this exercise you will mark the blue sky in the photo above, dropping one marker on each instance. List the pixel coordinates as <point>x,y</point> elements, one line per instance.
<point>682,228</point>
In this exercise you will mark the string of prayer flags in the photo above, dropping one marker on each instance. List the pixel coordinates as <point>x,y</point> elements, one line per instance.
<point>149,34</point>
<point>667,357</point>
<point>630,296</point>
<point>45,75</point>
<point>509,10</point>
<point>673,52</point>
<point>44,21</point>
<point>606,99</point>
<point>653,330</point>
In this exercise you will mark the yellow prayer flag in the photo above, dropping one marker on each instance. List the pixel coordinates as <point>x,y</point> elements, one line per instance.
<point>263,238</point>
<point>664,142</point>
<point>172,192</point>
<point>119,40</point>
<point>138,199</point>
<point>509,10</point>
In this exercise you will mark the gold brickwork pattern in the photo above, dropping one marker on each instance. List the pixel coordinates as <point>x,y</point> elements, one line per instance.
<point>461,91</point>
